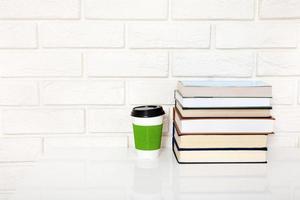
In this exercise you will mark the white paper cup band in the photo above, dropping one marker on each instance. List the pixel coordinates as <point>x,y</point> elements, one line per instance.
<point>149,121</point>
<point>147,154</point>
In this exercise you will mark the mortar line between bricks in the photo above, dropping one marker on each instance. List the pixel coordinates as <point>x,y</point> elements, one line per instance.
<point>169,10</point>
<point>85,121</point>
<point>43,145</point>
<point>127,140</point>
<point>39,19</point>
<point>254,73</point>
<point>296,98</point>
<point>125,36</point>
<point>212,20</point>
<point>131,20</point>
<point>16,162</point>
<point>126,93</point>
<point>158,20</point>
<point>170,73</point>
<point>257,7</point>
<point>45,135</point>
<point>104,49</point>
<point>81,10</point>
<point>213,36</point>
<point>39,93</point>
<point>84,73</point>
<point>37,31</point>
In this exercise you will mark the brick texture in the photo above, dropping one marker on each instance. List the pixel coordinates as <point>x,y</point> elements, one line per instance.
<point>40,64</point>
<point>151,92</point>
<point>105,120</point>
<point>71,70</point>
<point>255,35</point>
<point>18,93</point>
<point>213,9</point>
<point>59,144</point>
<point>37,9</point>
<point>283,90</point>
<point>86,34</point>
<point>18,35</point>
<point>213,64</point>
<point>280,9</point>
<point>119,9</point>
<point>20,149</point>
<point>42,121</point>
<point>11,174</point>
<point>278,64</point>
<point>165,35</point>
<point>287,119</point>
<point>72,92</point>
<point>126,64</point>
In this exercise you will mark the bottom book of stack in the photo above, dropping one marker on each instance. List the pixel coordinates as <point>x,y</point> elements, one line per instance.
<point>201,148</point>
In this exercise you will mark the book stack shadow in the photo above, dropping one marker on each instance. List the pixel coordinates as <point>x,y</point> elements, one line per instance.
<point>222,121</point>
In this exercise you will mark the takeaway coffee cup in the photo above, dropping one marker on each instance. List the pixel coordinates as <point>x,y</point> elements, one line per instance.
<point>147,129</point>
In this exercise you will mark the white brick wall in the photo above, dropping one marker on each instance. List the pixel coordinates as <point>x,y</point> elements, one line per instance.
<point>59,144</point>
<point>151,92</point>
<point>128,64</point>
<point>20,149</point>
<point>278,63</point>
<point>213,9</point>
<point>283,90</point>
<point>112,120</point>
<point>287,119</point>
<point>256,35</point>
<point>11,174</point>
<point>82,92</point>
<point>212,64</point>
<point>18,35</point>
<point>42,121</point>
<point>18,93</point>
<point>37,9</point>
<point>40,64</point>
<point>82,34</point>
<point>280,9</point>
<point>168,35</point>
<point>71,70</point>
<point>120,9</point>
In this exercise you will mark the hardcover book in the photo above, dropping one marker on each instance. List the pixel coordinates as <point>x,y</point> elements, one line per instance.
<point>223,102</point>
<point>222,112</point>
<point>223,125</point>
<point>196,156</point>
<point>224,89</point>
<point>219,141</point>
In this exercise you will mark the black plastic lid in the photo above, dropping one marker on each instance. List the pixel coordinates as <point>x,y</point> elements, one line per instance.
<point>147,111</point>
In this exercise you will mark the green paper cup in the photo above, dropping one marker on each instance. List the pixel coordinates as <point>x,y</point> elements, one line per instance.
<point>147,129</point>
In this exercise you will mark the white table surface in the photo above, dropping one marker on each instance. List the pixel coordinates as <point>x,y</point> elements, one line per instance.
<point>116,174</point>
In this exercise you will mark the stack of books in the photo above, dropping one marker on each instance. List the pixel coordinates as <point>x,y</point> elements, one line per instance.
<point>222,121</point>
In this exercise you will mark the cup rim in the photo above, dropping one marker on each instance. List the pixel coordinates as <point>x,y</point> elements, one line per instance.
<point>147,111</point>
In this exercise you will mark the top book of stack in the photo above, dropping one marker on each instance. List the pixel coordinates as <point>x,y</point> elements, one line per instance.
<point>224,89</point>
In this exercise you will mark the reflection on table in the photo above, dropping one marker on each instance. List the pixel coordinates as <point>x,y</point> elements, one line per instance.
<point>117,174</point>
